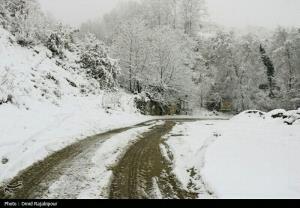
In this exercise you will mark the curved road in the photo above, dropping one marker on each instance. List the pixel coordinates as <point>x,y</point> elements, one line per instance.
<point>143,172</point>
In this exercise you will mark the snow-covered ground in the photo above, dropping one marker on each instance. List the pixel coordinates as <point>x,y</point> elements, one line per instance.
<point>250,156</point>
<point>47,104</point>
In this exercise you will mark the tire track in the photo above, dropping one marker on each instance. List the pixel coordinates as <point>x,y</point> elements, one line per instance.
<point>144,164</point>
<point>37,179</point>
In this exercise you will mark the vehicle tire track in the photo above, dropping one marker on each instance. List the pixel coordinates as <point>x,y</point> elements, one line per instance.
<point>37,179</point>
<point>144,163</point>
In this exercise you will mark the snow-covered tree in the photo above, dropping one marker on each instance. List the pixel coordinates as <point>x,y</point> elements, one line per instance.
<point>159,12</point>
<point>163,52</point>
<point>25,20</point>
<point>285,53</point>
<point>202,72</point>
<point>192,11</point>
<point>232,66</point>
<point>167,56</point>
<point>131,48</point>
<point>94,58</point>
<point>60,39</point>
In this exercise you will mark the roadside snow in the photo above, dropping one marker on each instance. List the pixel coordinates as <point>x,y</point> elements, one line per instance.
<point>188,150</point>
<point>251,156</point>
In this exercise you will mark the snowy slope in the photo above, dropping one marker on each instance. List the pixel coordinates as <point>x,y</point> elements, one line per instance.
<point>53,105</point>
<point>250,156</point>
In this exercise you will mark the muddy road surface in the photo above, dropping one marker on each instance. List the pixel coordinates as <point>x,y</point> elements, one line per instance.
<point>73,162</point>
<point>142,173</point>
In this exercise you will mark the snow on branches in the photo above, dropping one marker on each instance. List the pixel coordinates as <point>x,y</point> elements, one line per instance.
<point>94,58</point>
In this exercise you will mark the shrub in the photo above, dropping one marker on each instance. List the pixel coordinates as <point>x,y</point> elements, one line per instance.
<point>60,39</point>
<point>98,65</point>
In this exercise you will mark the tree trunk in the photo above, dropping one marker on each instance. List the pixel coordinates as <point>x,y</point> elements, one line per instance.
<point>130,67</point>
<point>175,13</point>
<point>291,78</point>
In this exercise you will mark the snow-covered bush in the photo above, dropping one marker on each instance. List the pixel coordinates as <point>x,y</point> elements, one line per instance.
<point>98,64</point>
<point>60,39</point>
<point>25,20</point>
<point>55,44</point>
<point>6,86</point>
<point>7,12</point>
<point>3,15</point>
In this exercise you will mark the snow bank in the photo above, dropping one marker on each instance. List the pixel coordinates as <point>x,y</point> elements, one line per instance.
<point>188,153</point>
<point>52,105</point>
<point>251,156</point>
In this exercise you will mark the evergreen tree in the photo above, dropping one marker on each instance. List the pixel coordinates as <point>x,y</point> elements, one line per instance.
<point>270,69</point>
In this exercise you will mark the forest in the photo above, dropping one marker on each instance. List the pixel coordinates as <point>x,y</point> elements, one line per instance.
<point>169,53</point>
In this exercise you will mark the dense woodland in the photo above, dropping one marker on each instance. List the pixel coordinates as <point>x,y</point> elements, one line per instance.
<point>167,51</point>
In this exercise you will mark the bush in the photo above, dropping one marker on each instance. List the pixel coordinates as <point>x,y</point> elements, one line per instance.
<point>55,44</point>
<point>59,40</point>
<point>3,15</point>
<point>98,65</point>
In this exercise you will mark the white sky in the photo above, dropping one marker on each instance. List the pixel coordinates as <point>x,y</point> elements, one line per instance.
<point>232,13</point>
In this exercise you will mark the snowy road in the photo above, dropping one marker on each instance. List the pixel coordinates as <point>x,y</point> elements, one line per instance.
<point>135,169</point>
<point>172,158</point>
<point>65,173</point>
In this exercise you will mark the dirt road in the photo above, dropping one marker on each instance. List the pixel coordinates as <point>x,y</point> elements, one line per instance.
<point>143,172</point>
<point>71,161</point>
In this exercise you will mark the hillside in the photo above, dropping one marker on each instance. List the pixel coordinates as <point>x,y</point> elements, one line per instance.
<point>47,103</point>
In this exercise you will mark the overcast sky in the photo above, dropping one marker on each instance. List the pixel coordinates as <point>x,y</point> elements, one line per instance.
<point>232,13</point>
